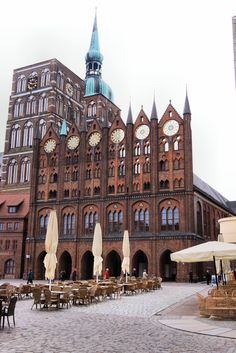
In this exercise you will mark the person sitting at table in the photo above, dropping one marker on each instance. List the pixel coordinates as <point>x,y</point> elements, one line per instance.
<point>106,274</point>
<point>145,275</point>
<point>134,272</point>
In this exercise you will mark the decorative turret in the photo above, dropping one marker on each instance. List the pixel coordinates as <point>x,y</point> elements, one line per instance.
<point>154,111</point>
<point>94,83</point>
<point>130,116</point>
<point>63,129</point>
<point>186,105</point>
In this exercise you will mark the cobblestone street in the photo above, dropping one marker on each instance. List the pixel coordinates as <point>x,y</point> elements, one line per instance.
<point>130,324</point>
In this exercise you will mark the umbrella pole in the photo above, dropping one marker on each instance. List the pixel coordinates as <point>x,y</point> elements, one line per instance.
<point>126,277</point>
<point>50,284</point>
<point>214,259</point>
<point>96,277</point>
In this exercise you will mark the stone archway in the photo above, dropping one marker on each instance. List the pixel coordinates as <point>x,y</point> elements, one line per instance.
<point>87,265</point>
<point>40,269</point>
<point>113,262</point>
<point>140,262</point>
<point>65,264</point>
<point>168,268</point>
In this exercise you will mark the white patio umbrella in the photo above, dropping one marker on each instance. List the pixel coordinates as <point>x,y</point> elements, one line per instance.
<point>51,242</point>
<point>209,251</point>
<point>97,251</point>
<point>126,253</point>
<point>222,266</point>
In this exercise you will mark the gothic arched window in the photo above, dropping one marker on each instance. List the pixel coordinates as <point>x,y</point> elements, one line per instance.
<point>15,136</point>
<point>141,220</point>
<point>25,170</point>
<point>45,78</point>
<point>21,84</point>
<point>12,172</point>
<point>28,134</point>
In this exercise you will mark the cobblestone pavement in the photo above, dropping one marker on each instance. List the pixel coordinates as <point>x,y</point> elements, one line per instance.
<point>127,325</point>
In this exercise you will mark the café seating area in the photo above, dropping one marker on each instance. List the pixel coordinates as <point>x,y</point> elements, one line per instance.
<point>220,302</point>
<point>64,294</point>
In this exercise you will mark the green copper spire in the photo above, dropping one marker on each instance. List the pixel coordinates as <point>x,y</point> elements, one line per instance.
<point>94,83</point>
<point>63,130</point>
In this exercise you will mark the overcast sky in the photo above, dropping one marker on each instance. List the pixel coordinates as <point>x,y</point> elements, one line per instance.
<point>148,46</point>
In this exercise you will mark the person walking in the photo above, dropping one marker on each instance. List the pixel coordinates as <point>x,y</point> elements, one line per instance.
<point>190,277</point>
<point>208,277</point>
<point>30,277</point>
<point>74,275</point>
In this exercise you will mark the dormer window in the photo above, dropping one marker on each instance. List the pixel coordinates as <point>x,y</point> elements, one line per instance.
<point>12,209</point>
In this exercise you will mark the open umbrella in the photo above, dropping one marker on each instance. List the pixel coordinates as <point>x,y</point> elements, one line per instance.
<point>97,251</point>
<point>51,242</point>
<point>211,250</point>
<point>126,253</point>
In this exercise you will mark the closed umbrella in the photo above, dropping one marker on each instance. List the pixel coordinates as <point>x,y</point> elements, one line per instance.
<point>51,242</point>
<point>97,251</point>
<point>126,253</point>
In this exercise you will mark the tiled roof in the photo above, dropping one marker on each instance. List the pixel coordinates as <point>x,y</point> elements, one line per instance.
<point>21,201</point>
<point>210,192</point>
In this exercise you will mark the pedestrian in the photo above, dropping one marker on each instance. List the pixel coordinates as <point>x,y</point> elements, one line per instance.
<point>106,274</point>
<point>30,277</point>
<point>145,275</point>
<point>208,277</point>
<point>190,277</point>
<point>74,275</point>
<point>62,275</point>
<point>134,272</point>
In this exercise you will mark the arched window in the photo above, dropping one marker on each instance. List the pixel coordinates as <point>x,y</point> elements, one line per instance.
<point>147,149</point>
<point>43,223</point>
<point>9,267</point>
<point>15,136</point>
<point>12,172</point>
<point>45,78</point>
<point>18,109</point>
<point>59,105</point>
<point>170,218</point>
<point>90,220</point>
<point>199,219</point>
<point>69,225</point>
<point>121,169</point>
<point>91,109</point>
<point>42,127</point>
<point>137,167</point>
<point>163,219</point>
<point>141,220</point>
<point>21,84</point>
<point>25,170</point>
<point>137,150</point>
<point>28,134</point>
<point>176,145</point>
<point>115,221</point>
<point>60,80</point>
<point>122,151</point>
<point>166,146</point>
<point>43,103</point>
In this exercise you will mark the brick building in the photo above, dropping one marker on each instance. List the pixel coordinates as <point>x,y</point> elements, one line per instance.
<point>68,148</point>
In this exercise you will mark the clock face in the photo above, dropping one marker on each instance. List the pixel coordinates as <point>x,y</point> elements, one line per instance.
<point>142,132</point>
<point>94,139</point>
<point>73,142</point>
<point>32,83</point>
<point>117,135</point>
<point>69,89</point>
<point>171,127</point>
<point>50,145</point>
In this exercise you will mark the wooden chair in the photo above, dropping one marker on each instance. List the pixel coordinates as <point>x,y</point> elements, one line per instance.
<point>65,300</point>
<point>50,299</point>
<point>37,296</point>
<point>9,311</point>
